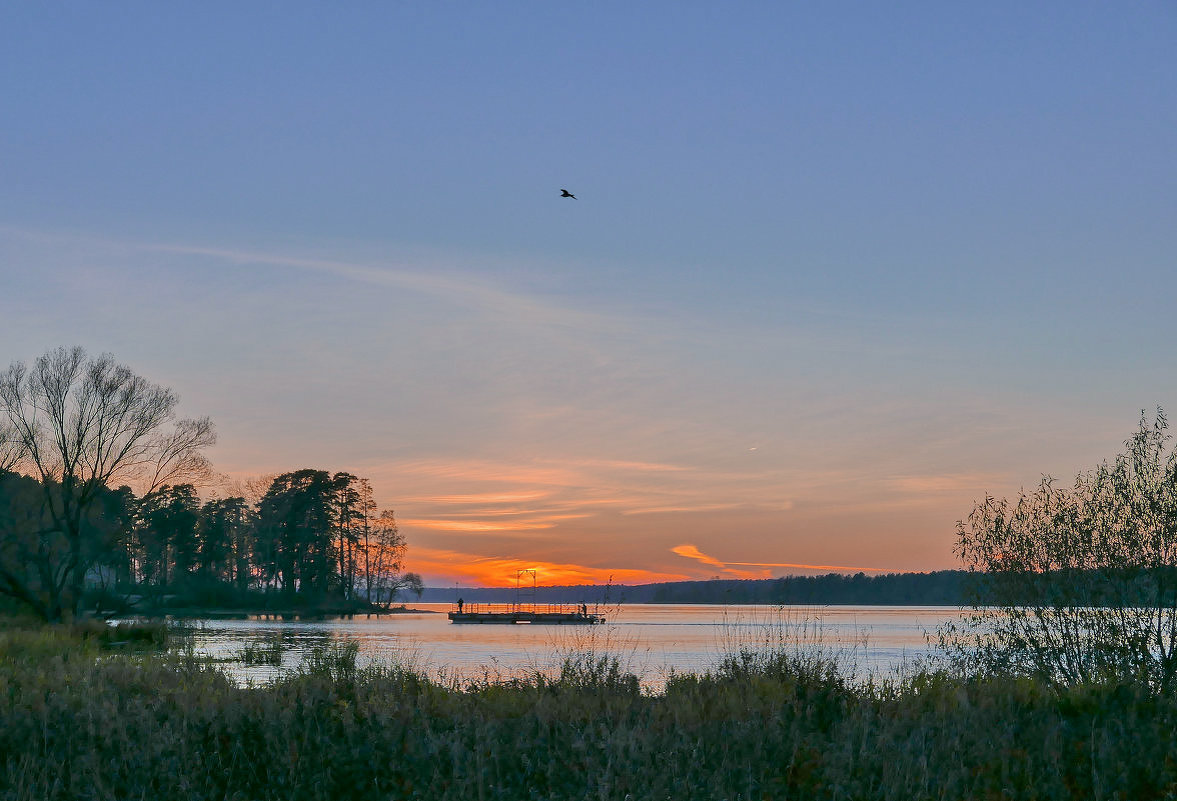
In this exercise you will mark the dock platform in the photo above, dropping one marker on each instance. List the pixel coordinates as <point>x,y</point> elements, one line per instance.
<point>562,614</point>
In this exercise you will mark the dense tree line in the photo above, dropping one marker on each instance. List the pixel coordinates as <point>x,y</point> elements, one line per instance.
<point>313,539</point>
<point>76,433</point>
<point>938,588</point>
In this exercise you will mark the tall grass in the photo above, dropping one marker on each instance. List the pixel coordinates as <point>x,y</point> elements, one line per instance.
<point>266,651</point>
<point>78,722</point>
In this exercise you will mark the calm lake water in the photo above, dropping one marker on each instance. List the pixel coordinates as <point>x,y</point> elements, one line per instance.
<point>650,640</point>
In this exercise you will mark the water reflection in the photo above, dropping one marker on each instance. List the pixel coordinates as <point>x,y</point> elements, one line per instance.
<point>650,640</point>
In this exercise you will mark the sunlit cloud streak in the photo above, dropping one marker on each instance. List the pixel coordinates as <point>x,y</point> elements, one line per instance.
<point>691,552</point>
<point>948,482</point>
<point>560,491</point>
<point>836,568</point>
<point>484,498</point>
<point>495,525</point>
<point>701,507</point>
<point>547,472</point>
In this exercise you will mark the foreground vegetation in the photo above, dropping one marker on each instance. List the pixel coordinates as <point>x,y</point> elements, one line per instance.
<point>81,719</point>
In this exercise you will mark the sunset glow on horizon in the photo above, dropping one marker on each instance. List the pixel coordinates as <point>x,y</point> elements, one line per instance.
<point>449,567</point>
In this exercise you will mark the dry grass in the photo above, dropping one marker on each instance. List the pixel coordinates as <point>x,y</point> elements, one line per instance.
<point>79,722</point>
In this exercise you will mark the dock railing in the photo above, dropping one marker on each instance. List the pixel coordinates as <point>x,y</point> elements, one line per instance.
<point>516,609</point>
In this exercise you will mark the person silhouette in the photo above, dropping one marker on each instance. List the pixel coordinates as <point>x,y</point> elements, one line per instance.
<point>460,605</point>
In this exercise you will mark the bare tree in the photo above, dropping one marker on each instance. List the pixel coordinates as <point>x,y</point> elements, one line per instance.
<point>9,446</point>
<point>384,553</point>
<point>80,425</point>
<point>1079,583</point>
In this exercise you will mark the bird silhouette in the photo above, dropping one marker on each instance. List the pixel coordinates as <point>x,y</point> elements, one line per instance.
<point>566,193</point>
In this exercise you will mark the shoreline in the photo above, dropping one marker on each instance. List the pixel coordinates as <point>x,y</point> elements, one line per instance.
<point>221,613</point>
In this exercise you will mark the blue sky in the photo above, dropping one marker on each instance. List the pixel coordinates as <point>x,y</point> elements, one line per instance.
<point>834,270</point>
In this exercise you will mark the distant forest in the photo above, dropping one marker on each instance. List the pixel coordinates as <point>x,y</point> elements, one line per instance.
<point>312,539</point>
<point>939,588</point>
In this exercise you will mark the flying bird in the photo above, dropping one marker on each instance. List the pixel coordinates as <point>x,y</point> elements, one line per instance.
<point>566,193</point>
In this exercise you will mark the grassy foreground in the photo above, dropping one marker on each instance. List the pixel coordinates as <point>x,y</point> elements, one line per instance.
<point>81,721</point>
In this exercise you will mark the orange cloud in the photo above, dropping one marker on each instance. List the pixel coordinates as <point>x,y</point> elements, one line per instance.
<point>498,472</point>
<point>441,488</point>
<point>473,525</point>
<point>645,467</point>
<point>952,482</point>
<point>546,521</point>
<point>703,507</point>
<point>691,552</point>
<point>813,567</point>
<point>483,497</point>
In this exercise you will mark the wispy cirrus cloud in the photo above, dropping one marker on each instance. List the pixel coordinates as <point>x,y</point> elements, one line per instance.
<point>519,495</point>
<point>943,482</point>
<point>464,288</point>
<point>683,508</point>
<point>483,498</point>
<point>447,524</point>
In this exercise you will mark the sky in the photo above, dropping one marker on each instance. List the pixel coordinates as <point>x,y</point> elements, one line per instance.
<point>834,271</point>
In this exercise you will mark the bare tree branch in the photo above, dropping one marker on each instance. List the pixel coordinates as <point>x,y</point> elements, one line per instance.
<point>79,424</point>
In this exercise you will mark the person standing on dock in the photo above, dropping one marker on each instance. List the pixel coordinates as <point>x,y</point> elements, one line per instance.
<point>460,605</point>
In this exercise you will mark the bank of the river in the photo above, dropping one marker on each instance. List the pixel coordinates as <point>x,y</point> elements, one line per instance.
<point>296,613</point>
<point>288,613</point>
<point>78,721</point>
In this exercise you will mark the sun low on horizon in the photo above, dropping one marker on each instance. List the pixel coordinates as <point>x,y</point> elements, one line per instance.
<point>612,293</point>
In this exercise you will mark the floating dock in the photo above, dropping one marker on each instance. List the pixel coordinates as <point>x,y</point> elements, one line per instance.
<point>562,614</point>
